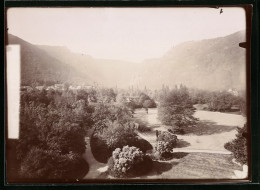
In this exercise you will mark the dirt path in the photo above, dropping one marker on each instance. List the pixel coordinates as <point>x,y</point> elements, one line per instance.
<point>95,167</point>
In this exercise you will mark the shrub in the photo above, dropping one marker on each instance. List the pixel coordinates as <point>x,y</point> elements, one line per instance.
<point>238,146</point>
<point>51,165</point>
<point>162,150</point>
<point>165,143</point>
<point>99,149</point>
<point>115,136</point>
<point>168,137</point>
<point>143,128</point>
<point>149,104</point>
<point>128,162</point>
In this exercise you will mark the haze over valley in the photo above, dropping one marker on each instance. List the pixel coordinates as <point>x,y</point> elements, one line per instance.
<point>211,64</point>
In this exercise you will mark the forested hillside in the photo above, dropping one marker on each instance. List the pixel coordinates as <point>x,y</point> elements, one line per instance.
<point>39,68</point>
<point>208,64</point>
<point>211,64</point>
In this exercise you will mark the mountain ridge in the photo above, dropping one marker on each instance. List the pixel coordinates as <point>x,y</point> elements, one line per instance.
<point>214,64</point>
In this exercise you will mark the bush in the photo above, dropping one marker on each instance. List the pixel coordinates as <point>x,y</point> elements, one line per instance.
<point>165,143</point>
<point>238,146</point>
<point>51,165</point>
<point>143,128</point>
<point>162,150</point>
<point>115,136</point>
<point>99,149</point>
<point>118,135</point>
<point>221,101</point>
<point>128,162</point>
<point>168,137</point>
<point>149,104</point>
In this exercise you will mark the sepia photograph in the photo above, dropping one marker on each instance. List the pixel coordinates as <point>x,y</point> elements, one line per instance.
<point>127,94</point>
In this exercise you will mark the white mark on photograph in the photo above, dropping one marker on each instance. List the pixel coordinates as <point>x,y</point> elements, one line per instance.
<point>13,89</point>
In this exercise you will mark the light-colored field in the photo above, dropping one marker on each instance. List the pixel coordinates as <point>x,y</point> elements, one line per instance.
<point>219,118</point>
<point>195,166</point>
<point>223,126</point>
<point>201,153</point>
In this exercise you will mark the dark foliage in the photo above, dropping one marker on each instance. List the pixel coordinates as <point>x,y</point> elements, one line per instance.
<point>53,126</point>
<point>47,164</point>
<point>238,146</point>
<point>176,110</point>
<point>99,149</point>
<point>105,114</point>
<point>168,137</point>
<point>165,143</point>
<point>115,136</point>
<point>143,128</point>
<point>221,101</point>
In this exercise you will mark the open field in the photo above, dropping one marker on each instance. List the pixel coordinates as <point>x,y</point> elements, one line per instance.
<point>212,132</point>
<point>194,166</point>
<point>199,154</point>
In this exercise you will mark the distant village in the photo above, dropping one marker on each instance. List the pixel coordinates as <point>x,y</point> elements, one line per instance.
<point>60,87</point>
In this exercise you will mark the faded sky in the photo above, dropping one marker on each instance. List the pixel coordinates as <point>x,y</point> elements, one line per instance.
<point>131,34</point>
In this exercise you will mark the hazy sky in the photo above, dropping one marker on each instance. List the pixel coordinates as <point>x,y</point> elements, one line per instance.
<point>131,34</point>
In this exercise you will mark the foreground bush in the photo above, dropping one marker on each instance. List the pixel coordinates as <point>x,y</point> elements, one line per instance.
<point>115,136</point>
<point>165,143</point>
<point>99,149</point>
<point>53,126</point>
<point>128,162</point>
<point>238,146</point>
<point>51,165</point>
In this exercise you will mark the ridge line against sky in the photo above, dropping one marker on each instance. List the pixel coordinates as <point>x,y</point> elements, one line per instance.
<point>130,34</point>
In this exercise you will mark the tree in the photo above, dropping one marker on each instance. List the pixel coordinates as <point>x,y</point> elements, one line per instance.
<point>142,98</point>
<point>107,95</point>
<point>149,104</point>
<point>118,135</point>
<point>106,113</point>
<point>176,110</point>
<point>43,165</point>
<point>52,135</point>
<point>221,101</point>
<point>238,146</point>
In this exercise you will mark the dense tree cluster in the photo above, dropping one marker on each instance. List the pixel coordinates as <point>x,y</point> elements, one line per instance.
<point>222,101</point>
<point>176,109</point>
<point>52,130</point>
<point>114,127</point>
<point>136,100</point>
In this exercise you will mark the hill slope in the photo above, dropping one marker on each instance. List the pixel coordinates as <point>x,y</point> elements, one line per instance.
<point>211,64</point>
<point>208,64</point>
<point>105,72</point>
<point>39,67</point>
